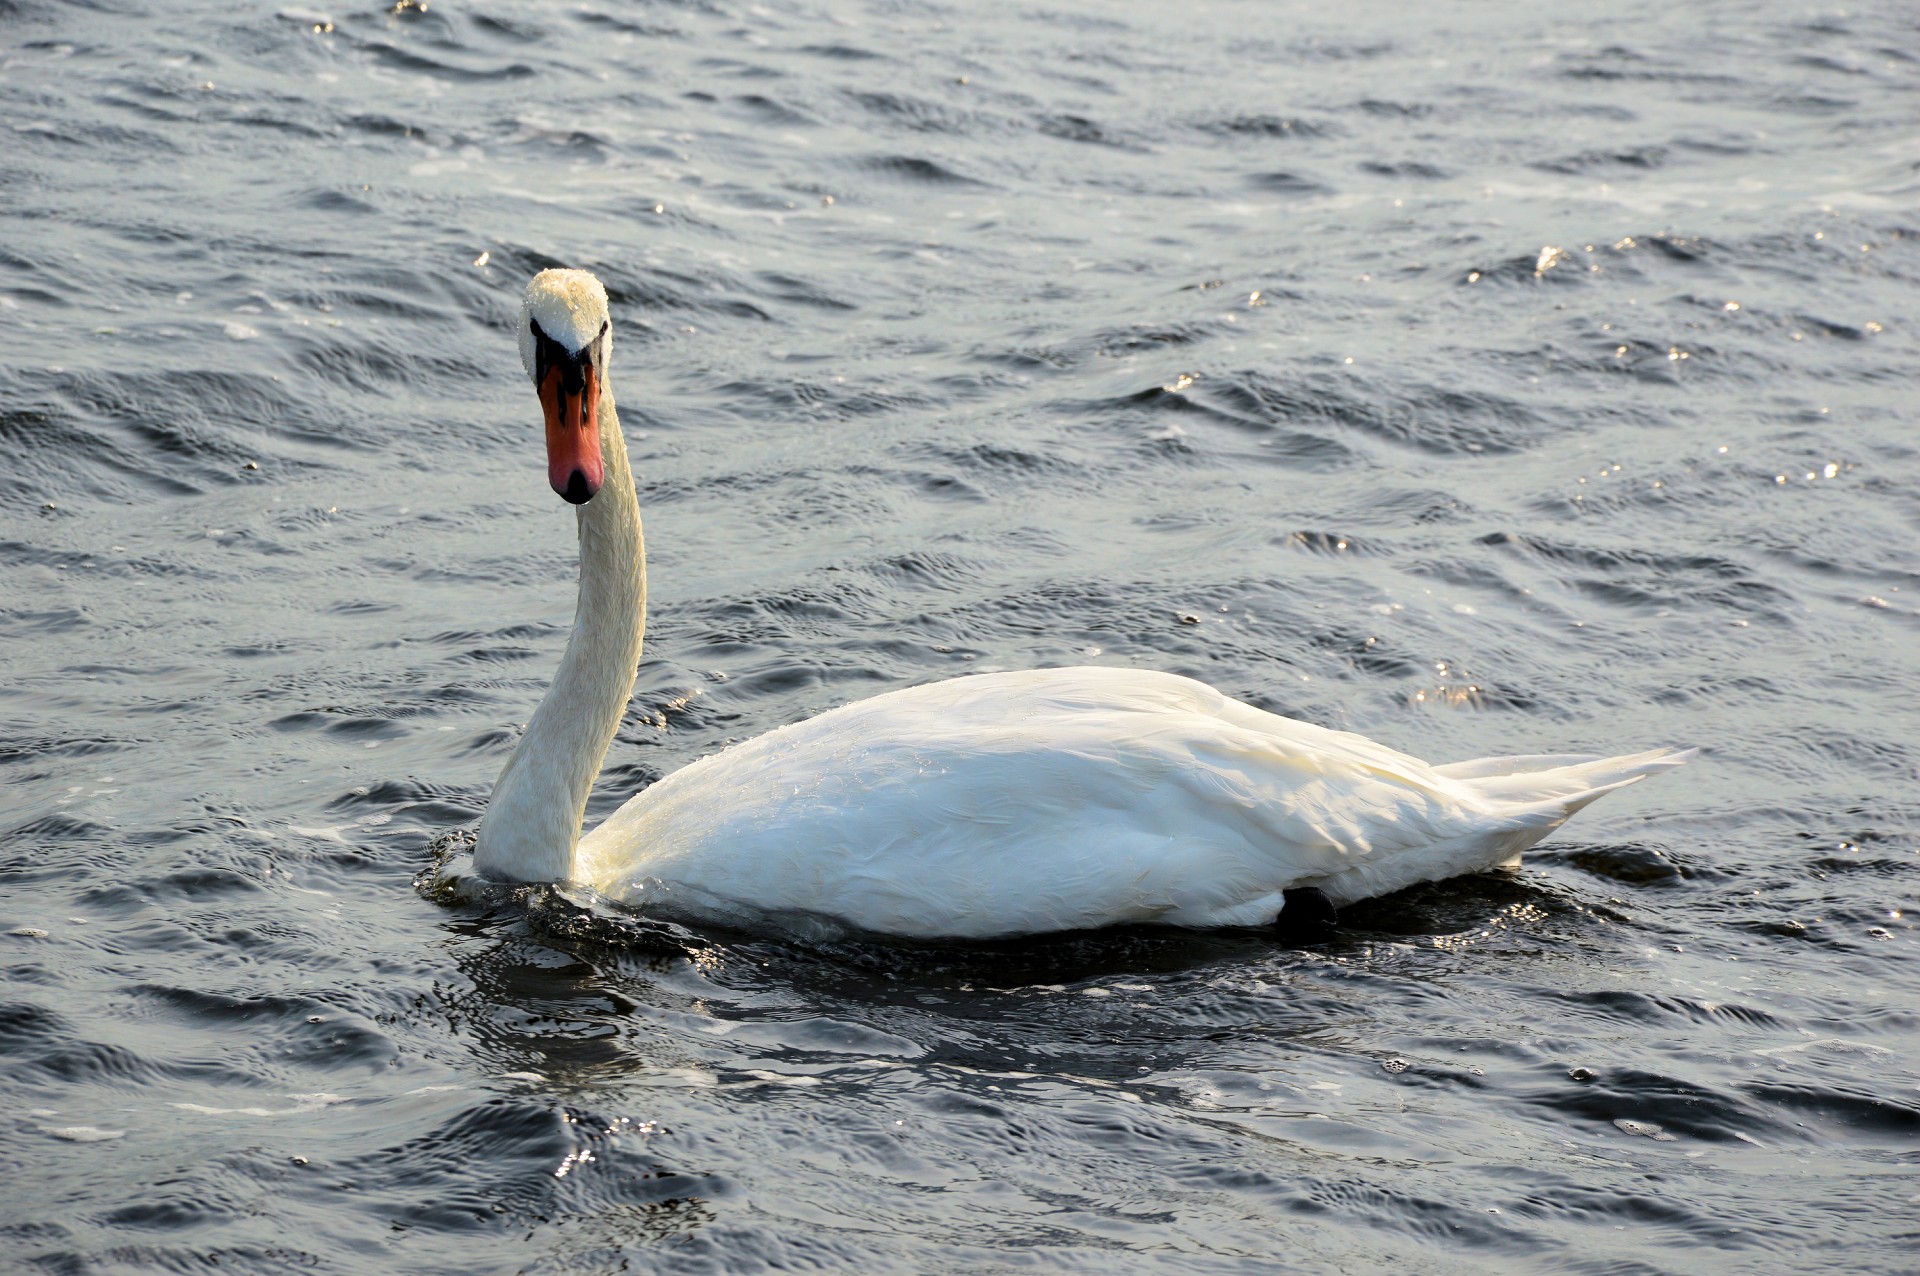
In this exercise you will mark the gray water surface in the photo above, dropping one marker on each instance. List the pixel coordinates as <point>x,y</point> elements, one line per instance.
<point>1488,378</point>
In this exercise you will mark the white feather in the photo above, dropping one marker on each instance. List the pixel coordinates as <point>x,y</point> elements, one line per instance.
<point>1055,799</point>
<point>995,805</point>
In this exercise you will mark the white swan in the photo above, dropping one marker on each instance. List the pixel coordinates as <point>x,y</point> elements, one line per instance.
<point>1002,804</point>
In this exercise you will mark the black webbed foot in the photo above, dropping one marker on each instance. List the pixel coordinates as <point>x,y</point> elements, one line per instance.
<point>1307,917</point>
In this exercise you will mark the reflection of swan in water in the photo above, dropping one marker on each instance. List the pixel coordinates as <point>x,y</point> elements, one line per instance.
<point>1002,804</point>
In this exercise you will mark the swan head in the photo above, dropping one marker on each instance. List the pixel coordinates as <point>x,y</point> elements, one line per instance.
<point>565,337</point>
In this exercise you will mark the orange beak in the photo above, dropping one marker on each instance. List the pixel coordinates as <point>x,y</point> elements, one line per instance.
<point>572,405</point>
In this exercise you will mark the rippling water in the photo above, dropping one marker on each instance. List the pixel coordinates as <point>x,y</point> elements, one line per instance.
<point>1490,378</point>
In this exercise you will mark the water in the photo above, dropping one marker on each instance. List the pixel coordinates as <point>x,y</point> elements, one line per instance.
<point>1487,378</point>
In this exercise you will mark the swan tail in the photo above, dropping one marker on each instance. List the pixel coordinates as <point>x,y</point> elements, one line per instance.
<point>1555,785</point>
<point>1519,799</point>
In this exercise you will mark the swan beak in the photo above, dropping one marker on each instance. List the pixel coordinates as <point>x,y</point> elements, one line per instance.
<point>572,405</point>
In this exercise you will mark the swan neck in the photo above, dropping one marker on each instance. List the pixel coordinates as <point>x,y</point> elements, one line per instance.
<point>533,821</point>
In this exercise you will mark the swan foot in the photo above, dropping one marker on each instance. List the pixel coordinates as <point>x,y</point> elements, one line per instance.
<point>1307,917</point>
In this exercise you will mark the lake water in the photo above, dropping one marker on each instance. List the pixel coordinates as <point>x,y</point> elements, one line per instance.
<point>1487,378</point>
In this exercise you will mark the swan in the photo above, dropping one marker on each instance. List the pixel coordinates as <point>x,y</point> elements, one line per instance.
<point>980,807</point>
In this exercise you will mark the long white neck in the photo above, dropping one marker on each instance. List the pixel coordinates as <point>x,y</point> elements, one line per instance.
<point>533,821</point>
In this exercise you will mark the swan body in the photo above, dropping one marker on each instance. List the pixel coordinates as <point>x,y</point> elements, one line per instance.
<point>1057,799</point>
<point>994,805</point>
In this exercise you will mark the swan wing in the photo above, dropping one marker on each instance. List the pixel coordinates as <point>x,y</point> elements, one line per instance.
<point>1038,800</point>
